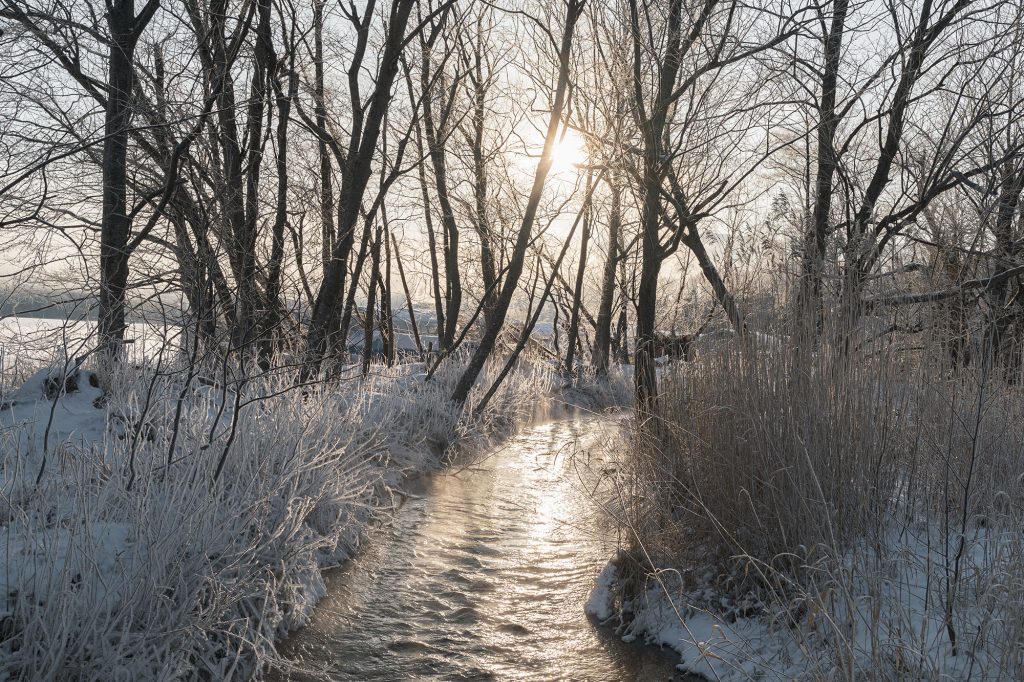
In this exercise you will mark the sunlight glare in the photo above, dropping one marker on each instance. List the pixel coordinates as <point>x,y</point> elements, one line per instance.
<point>569,152</point>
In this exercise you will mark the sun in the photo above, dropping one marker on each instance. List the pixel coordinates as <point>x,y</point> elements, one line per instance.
<point>569,152</point>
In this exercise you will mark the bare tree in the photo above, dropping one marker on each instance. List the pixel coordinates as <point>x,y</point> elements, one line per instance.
<point>720,36</point>
<point>124,29</point>
<point>573,11</point>
<point>857,205</point>
<point>357,166</point>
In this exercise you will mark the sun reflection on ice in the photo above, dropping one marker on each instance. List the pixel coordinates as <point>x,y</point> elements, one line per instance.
<point>484,574</point>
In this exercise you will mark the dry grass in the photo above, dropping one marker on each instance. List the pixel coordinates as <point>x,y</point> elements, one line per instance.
<point>869,500</point>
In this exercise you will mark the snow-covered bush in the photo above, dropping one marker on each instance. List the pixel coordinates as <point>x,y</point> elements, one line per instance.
<point>176,524</point>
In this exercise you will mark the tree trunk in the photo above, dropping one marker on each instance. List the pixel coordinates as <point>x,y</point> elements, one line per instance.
<point>707,266</point>
<point>652,253</point>
<point>809,302</point>
<point>603,327</point>
<point>371,303</point>
<point>428,225</point>
<point>581,269</point>
<point>252,303</point>
<point>354,182</point>
<point>435,129</point>
<point>574,9</point>
<point>1007,313</point>
<point>387,323</point>
<point>532,316</point>
<point>274,267</point>
<point>647,297</point>
<point>232,194</point>
<point>408,296</point>
<point>621,341</point>
<point>482,224</point>
<point>115,225</point>
<point>320,113</point>
<point>350,298</point>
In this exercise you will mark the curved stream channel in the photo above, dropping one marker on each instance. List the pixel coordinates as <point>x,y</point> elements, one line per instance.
<point>482,575</point>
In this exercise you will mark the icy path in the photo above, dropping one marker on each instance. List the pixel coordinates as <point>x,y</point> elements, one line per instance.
<point>483,576</point>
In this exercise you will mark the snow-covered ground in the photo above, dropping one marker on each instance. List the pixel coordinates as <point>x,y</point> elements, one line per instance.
<point>125,551</point>
<point>881,614</point>
<point>709,645</point>
<point>177,523</point>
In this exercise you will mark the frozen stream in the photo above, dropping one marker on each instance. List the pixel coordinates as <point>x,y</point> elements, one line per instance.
<point>483,576</point>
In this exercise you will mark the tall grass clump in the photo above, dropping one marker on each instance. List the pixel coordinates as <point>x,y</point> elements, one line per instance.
<point>774,450</point>
<point>862,500</point>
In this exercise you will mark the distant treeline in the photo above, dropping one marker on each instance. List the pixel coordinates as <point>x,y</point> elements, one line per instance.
<point>29,301</point>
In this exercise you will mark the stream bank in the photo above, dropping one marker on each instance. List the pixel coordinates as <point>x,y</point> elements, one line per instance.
<point>483,574</point>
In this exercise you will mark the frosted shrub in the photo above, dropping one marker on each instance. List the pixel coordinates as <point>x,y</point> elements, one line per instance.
<point>182,518</point>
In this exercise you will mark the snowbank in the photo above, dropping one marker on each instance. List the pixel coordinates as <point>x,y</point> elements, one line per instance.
<point>662,614</point>
<point>880,614</point>
<point>175,526</point>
